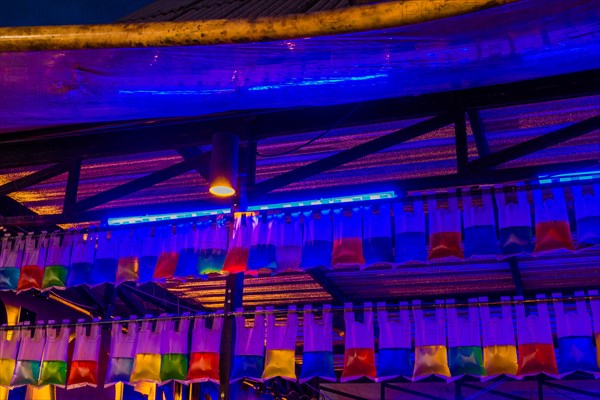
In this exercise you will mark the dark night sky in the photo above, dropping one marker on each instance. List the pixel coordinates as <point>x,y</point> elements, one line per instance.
<point>65,12</point>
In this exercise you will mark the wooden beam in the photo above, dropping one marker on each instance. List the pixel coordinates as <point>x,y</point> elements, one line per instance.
<point>137,184</point>
<point>460,135</point>
<point>346,156</point>
<point>202,165</point>
<point>72,187</point>
<point>478,129</point>
<point>539,143</point>
<point>33,178</point>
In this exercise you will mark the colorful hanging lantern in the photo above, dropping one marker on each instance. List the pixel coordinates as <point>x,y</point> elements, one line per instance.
<point>150,249</point>
<point>205,350</point>
<point>174,350</point>
<point>10,261</point>
<point>317,243</point>
<point>514,220</point>
<point>499,346</point>
<point>56,352</point>
<point>82,260</point>
<point>359,356</point>
<point>213,247</point>
<point>595,305</point>
<point>31,348</point>
<point>411,239</point>
<point>575,339</point>
<point>480,225</point>
<point>444,229</point>
<point>84,366</point>
<point>431,353</point>
<point>32,267</point>
<point>395,336</point>
<point>107,259</point>
<point>168,255</point>
<point>122,352</point>
<point>317,359</point>
<point>189,243</point>
<point>552,230</point>
<point>587,212</point>
<point>9,347</point>
<point>57,261</point>
<point>534,336</point>
<point>464,341</point>
<point>377,238</point>
<point>146,365</point>
<point>236,259</point>
<point>347,238</point>
<point>281,346</point>
<point>288,251</point>
<point>262,244</point>
<point>249,357</point>
<point>128,265</point>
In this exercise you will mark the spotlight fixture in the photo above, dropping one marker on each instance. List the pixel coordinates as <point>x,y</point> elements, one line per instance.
<point>224,164</point>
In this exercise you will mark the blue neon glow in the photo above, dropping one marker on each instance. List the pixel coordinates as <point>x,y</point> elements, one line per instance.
<point>275,206</point>
<point>326,201</point>
<point>166,217</point>
<point>178,92</point>
<point>319,82</point>
<point>569,177</point>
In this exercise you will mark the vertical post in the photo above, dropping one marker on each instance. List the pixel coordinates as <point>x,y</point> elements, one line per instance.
<point>458,390</point>
<point>460,134</point>
<point>516,274</point>
<point>540,389</point>
<point>382,391</point>
<point>72,186</point>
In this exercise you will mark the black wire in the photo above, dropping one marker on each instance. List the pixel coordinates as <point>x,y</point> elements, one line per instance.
<point>319,136</point>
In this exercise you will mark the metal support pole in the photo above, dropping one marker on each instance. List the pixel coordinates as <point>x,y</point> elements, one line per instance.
<point>540,390</point>
<point>462,149</point>
<point>458,391</point>
<point>516,274</point>
<point>234,287</point>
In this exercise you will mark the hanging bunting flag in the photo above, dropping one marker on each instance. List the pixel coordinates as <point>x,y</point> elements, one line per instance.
<point>122,352</point>
<point>444,229</point>
<point>499,346</point>
<point>317,244</point>
<point>56,352</point>
<point>552,231</point>
<point>281,346</point>
<point>189,244</point>
<point>411,239</point>
<point>146,365</point>
<point>261,256</point>
<point>9,346</point>
<point>595,305</point>
<point>587,212</point>
<point>205,350</point>
<point>480,225</point>
<point>236,259</point>
<point>249,356</point>
<point>82,260</point>
<point>514,220</point>
<point>213,239</point>
<point>10,261</point>
<point>347,238</point>
<point>575,338</point>
<point>107,259</point>
<point>317,359</point>
<point>128,265</point>
<point>57,261</point>
<point>377,238</point>
<point>32,267</point>
<point>84,366</point>
<point>150,249</point>
<point>431,353</point>
<point>169,253</point>
<point>395,337</point>
<point>534,336</point>
<point>359,356</point>
<point>31,347</point>
<point>464,341</point>
<point>174,350</point>
<point>288,251</point>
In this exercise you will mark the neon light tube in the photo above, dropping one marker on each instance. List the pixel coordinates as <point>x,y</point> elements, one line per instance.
<point>569,177</point>
<point>166,217</point>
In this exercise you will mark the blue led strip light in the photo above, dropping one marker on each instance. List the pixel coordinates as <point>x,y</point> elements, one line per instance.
<point>275,206</point>
<point>570,177</point>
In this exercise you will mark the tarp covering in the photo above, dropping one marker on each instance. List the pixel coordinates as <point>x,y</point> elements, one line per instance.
<point>523,40</point>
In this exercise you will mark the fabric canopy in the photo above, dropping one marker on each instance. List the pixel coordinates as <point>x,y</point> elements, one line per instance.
<point>523,40</point>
